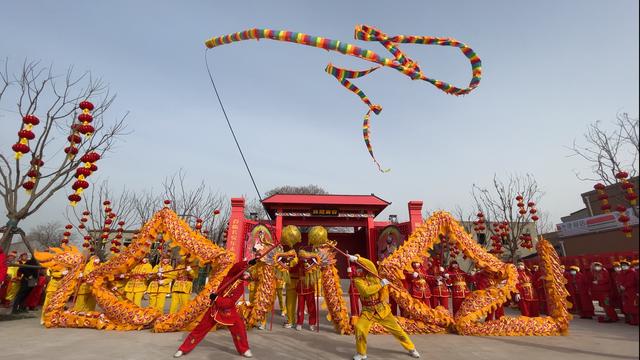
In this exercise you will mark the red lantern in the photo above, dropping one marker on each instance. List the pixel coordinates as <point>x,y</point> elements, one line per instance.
<point>74,199</point>
<point>27,134</point>
<point>83,172</point>
<point>28,185</point>
<point>622,175</point>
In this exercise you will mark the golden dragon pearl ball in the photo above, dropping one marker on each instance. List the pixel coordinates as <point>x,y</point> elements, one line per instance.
<point>318,235</point>
<point>291,235</point>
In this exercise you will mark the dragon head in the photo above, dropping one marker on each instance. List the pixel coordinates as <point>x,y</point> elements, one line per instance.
<point>64,257</point>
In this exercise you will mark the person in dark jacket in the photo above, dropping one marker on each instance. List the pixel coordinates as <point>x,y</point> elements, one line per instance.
<point>28,280</point>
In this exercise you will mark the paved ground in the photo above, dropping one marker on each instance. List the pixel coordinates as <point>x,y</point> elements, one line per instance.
<point>22,337</point>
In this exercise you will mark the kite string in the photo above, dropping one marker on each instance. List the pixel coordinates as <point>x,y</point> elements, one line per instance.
<point>215,89</point>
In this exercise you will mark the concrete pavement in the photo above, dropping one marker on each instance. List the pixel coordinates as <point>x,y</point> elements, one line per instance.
<point>24,338</point>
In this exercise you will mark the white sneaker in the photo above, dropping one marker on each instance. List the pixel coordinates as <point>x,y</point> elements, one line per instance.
<point>298,327</point>
<point>414,353</point>
<point>312,328</point>
<point>359,357</point>
<point>261,327</point>
<point>178,354</point>
<point>283,314</point>
<point>287,326</point>
<point>247,354</point>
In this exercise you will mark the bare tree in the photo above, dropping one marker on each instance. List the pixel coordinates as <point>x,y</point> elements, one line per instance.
<point>609,151</point>
<point>54,99</point>
<point>47,235</point>
<point>122,206</point>
<point>499,205</point>
<point>292,189</point>
<point>190,203</point>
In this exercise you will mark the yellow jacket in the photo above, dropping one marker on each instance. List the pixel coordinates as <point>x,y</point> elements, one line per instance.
<point>183,282</point>
<point>370,291</point>
<point>293,278</point>
<point>138,278</point>
<point>84,287</point>
<point>55,277</point>
<point>162,285</point>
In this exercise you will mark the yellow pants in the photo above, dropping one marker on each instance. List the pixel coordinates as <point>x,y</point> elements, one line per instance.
<point>178,300</point>
<point>157,300</point>
<point>281,303</point>
<point>390,324</point>
<point>292,299</point>
<point>85,302</point>
<point>12,291</point>
<point>135,297</point>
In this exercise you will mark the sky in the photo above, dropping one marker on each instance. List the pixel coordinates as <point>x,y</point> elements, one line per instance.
<point>550,68</point>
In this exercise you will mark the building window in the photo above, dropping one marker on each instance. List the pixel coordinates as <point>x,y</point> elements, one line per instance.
<point>482,238</point>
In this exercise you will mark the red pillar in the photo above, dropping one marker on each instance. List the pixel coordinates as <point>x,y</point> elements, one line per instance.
<point>235,235</point>
<point>415,214</point>
<point>278,225</point>
<point>371,242</point>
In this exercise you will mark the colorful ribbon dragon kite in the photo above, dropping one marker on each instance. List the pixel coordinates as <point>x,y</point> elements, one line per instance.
<point>399,62</point>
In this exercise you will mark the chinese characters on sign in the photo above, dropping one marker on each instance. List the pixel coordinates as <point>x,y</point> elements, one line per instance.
<point>324,212</point>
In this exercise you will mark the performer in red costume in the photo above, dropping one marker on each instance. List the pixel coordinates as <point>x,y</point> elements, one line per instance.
<point>3,266</point>
<point>354,296</point>
<point>538,284</point>
<point>34,299</point>
<point>416,279</point>
<point>616,295</point>
<point>484,280</point>
<point>526,296</point>
<point>628,280</point>
<point>459,288</point>
<point>578,287</point>
<point>223,312</point>
<point>439,290</point>
<point>306,290</point>
<point>601,291</point>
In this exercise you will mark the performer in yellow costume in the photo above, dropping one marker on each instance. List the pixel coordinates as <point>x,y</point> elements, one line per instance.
<point>13,278</point>
<point>290,236</point>
<point>280,284</point>
<point>55,277</point>
<point>137,284</point>
<point>160,286</point>
<point>182,286</point>
<point>85,300</point>
<point>253,275</point>
<point>375,308</point>
<point>117,286</point>
<point>14,283</point>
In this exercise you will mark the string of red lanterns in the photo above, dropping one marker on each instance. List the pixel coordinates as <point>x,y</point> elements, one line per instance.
<point>85,128</point>
<point>624,219</point>
<point>627,187</point>
<point>24,135</point>
<point>82,172</point>
<point>479,226</point>
<point>603,197</point>
<point>33,174</point>
<point>66,234</point>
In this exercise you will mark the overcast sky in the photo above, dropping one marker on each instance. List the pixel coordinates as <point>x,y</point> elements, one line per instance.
<point>550,69</point>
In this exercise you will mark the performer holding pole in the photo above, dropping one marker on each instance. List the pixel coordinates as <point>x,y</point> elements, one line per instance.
<point>223,311</point>
<point>374,297</point>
